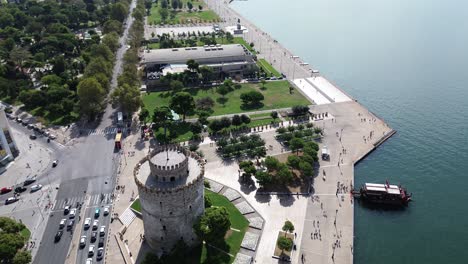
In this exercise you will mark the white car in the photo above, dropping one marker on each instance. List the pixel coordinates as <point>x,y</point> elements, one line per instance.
<point>95,224</point>
<point>82,241</point>
<point>66,210</point>
<point>102,231</point>
<point>62,223</point>
<point>91,251</point>
<point>89,261</point>
<point>106,210</point>
<point>87,223</point>
<point>36,187</point>
<point>72,213</point>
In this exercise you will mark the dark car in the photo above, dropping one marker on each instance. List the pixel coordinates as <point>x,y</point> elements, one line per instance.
<point>70,224</point>
<point>100,253</point>
<point>101,242</point>
<point>93,236</point>
<point>20,189</point>
<point>58,236</point>
<point>32,136</point>
<point>29,181</point>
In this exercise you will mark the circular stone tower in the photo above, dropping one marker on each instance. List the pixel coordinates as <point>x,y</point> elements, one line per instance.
<point>170,184</point>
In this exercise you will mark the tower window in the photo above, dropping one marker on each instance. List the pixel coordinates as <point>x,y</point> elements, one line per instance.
<point>172,179</point>
<point>164,227</point>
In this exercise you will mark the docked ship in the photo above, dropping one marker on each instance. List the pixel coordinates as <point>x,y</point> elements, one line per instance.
<point>384,194</point>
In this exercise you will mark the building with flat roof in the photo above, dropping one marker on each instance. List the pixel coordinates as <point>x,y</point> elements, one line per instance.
<point>8,149</point>
<point>233,60</point>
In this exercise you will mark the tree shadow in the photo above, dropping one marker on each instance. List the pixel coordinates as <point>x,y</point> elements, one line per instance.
<point>251,106</point>
<point>262,198</point>
<point>286,200</point>
<point>222,100</point>
<point>247,185</point>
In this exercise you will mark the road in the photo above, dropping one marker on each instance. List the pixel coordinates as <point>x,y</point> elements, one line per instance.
<point>86,174</point>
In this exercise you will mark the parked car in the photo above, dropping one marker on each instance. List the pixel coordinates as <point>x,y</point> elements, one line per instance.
<point>29,181</point>
<point>20,189</point>
<point>91,251</point>
<point>36,187</point>
<point>62,223</point>
<point>5,190</point>
<point>100,253</point>
<point>11,200</point>
<point>102,231</point>
<point>87,223</point>
<point>58,235</point>
<point>72,213</point>
<point>32,136</point>
<point>82,241</point>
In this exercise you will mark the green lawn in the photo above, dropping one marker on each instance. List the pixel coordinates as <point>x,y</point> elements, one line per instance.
<point>26,234</point>
<point>183,16</point>
<point>261,122</point>
<point>181,129</point>
<point>136,205</point>
<point>268,68</point>
<point>236,40</point>
<point>276,96</point>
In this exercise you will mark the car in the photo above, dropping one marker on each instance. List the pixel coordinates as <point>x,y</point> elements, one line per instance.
<point>32,136</point>
<point>72,213</point>
<point>87,223</point>
<point>273,78</point>
<point>89,261</point>
<point>20,189</point>
<point>102,231</point>
<point>29,181</point>
<point>5,190</point>
<point>30,126</point>
<point>58,235</point>
<point>52,137</point>
<point>91,251</point>
<point>54,163</point>
<point>36,128</point>
<point>106,210</point>
<point>101,242</point>
<point>93,236</point>
<point>100,253</point>
<point>66,210</point>
<point>70,224</point>
<point>11,200</point>
<point>82,241</point>
<point>19,120</point>
<point>46,133</point>
<point>95,224</point>
<point>97,212</point>
<point>62,223</point>
<point>36,187</point>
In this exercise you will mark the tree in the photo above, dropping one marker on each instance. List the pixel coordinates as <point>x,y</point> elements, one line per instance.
<point>288,226</point>
<point>206,73</point>
<point>143,115</point>
<point>175,4</point>
<point>22,257</point>
<point>271,163</point>
<point>180,4</point>
<point>161,115</point>
<point>203,117</point>
<point>208,202</point>
<point>236,120</point>
<point>245,119</point>
<point>293,161</point>
<point>263,178</point>
<point>164,4</point>
<point>192,65</point>
<point>176,86</point>
<point>283,174</point>
<point>263,83</point>
<point>11,241</point>
<point>164,13</point>
<point>101,50</point>
<point>119,11</point>
<point>223,90</point>
<point>19,55</point>
<point>296,144</point>
<point>112,26</point>
<point>205,103</point>
<point>200,7</point>
<point>300,110</point>
<point>59,65</point>
<point>213,224</point>
<point>190,6</point>
<point>252,98</point>
<point>128,97</point>
<point>91,95</point>
<point>229,37</point>
<point>111,40</point>
<point>274,115</point>
<point>306,168</point>
<point>182,103</point>
<point>284,243</point>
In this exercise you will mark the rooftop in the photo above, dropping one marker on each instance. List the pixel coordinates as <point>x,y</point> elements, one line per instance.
<point>181,55</point>
<point>168,158</point>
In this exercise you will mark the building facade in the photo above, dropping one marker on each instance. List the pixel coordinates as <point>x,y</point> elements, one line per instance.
<point>170,183</point>
<point>8,149</point>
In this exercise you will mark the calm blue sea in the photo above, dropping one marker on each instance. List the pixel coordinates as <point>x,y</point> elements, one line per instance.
<point>407,61</point>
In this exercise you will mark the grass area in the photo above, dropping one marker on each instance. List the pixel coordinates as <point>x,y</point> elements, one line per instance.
<point>263,115</point>
<point>181,129</point>
<point>25,233</point>
<point>183,16</point>
<point>276,96</point>
<point>236,40</point>
<point>268,68</point>
<point>261,122</point>
<point>136,205</point>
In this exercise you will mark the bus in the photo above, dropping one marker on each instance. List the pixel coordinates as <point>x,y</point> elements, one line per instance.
<point>118,141</point>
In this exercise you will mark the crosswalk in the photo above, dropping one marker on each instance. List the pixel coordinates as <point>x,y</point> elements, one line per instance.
<point>73,201</point>
<point>127,217</point>
<point>99,131</point>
